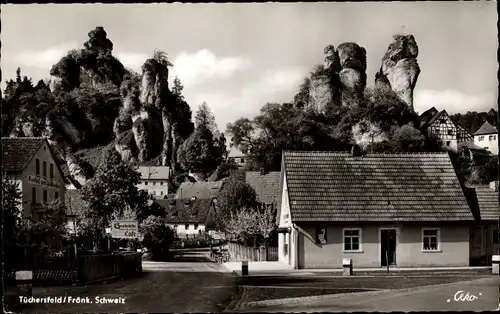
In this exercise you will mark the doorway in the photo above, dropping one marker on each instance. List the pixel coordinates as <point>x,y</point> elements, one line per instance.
<point>388,247</point>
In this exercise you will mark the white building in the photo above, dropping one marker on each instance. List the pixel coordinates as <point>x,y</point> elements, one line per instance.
<point>236,156</point>
<point>29,162</point>
<point>154,180</point>
<point>487,138</point>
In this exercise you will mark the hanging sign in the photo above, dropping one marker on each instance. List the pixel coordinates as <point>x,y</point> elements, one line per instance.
<point>125,229</point>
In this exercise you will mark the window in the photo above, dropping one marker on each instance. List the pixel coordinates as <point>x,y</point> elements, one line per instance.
<point>44,169</point>
<point>448,143</point>
<point>481,138</point>
<point>487,148</point>
<point>33,195</point>
<point>496,237</point>
<point>154,182</point>
<point>459,136</point>
<point>430,239</point>
<point>45,196</point>
<point>231,159</point>
<point>195,226</point>
<point>51,171</point>
<point>352,239</point>
<point>186,226</point>
<point>161,182</point>
<point>442,121</point>
<point>161,192</point>
<point>57,195</point>
<point>438,130</point>
<point>37,164</point>
<point>242,160</point>
<point>450,132</point>
<point>285,246</point>
<point>145,182</point>
<point>492,137</point>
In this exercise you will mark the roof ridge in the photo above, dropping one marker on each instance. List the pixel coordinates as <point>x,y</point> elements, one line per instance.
<point>372,154</point>
<point>24,137</point>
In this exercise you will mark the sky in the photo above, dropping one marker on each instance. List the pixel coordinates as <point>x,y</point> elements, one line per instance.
<point>238,57</point>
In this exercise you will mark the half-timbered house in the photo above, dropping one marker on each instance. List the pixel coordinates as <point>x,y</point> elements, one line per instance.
<point>439,124</point>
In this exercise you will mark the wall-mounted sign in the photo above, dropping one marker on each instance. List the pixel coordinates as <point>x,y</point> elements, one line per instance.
<point>43,181</point>
<point>125,229</point>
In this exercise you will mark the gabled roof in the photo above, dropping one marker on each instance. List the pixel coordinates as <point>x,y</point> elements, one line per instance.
<point>17,152</point>
<point>487,200</point>
<point>333,186</point>
<point>486,128</point>
<point>154,173</point>
<point>186,210</point>
<point>202,190</point>
<point>266,186</point>
<point>427,115</point>
<point>436,116</point>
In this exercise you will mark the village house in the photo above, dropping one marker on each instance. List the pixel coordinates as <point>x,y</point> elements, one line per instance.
<point>199,190</point>
<point>30,163</point>
<point>236,156</point>
<point>439,124</point>
<point>188,217</point>
<point>487,138</point>
<point>484,234</point>
<point>154,180</point>
<point>407,210</point>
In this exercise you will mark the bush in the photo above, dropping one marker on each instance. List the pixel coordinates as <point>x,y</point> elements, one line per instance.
<point>157,236</point>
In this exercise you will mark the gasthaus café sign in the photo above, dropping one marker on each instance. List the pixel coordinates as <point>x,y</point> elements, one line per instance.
<point>125,229</point>
<point>44,182</point>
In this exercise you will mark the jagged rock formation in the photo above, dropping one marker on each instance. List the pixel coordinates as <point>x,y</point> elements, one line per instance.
<point>400,70</point>
<point>343,73</point>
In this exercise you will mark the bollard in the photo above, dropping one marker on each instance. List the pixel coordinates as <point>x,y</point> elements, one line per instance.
<point>24,282</point>
<point>347,264</point>
<point>244,268</point>
<point>495,262</point>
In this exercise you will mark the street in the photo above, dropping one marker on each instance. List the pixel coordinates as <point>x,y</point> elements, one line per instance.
<point>190,284</point>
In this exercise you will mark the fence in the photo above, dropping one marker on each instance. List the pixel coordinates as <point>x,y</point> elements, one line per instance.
<point>240,252</point>
<point>102,266</point>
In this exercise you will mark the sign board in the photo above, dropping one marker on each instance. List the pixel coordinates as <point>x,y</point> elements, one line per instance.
<point>125,229</point>
<point>43,181</point>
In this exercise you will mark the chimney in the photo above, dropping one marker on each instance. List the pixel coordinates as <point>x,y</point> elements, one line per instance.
<point>356,150</point>
<point>494,185</point>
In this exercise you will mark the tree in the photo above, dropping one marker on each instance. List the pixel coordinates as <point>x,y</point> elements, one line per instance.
<point>203,151</point>
<point>12,223</point>
<point>234,195</point>
<point>157,236</point>
<point>112,190</point>
<point>252,225</point>
<point>177,88</point>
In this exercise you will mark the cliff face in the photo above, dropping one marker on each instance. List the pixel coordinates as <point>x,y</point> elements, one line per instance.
<point>98,103</point>
<point>400,70</point>
<point>343,72</point>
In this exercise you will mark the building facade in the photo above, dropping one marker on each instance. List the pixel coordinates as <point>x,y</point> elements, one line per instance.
<point>375,209</point>
<point>238,157</point>
<point>487,138</point>
<point>154,180</point>
<point>440,126</point>
<point>29,162</point>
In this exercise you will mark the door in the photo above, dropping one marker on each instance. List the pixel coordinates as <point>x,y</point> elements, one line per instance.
<point>388,246</point>
<point>476,246</point>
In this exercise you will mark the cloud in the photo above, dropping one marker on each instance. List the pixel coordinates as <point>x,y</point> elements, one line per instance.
<point>45,58</point>
<point>195,68</point>
<point>278,85</point>
<point>132,60</point>
<point>453,101</point>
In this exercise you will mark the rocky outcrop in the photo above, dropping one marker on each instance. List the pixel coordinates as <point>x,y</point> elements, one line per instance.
<point>400,70</point>
<point>343,73</point>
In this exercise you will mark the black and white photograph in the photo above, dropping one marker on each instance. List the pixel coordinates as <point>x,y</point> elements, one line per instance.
<point>250,157</point>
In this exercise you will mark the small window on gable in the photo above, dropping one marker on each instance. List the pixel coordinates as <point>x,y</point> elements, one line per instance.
<point>442,121</point>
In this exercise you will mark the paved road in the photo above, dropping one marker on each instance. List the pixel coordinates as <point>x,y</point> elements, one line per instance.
<point>429,298</point>
<point>190,284</point>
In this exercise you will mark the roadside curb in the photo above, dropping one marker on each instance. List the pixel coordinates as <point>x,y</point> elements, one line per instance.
<point>287,301</point>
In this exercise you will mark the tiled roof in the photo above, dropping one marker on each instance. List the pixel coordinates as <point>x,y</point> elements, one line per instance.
<point>486,128</point>
<point>427,115</point>
<point>266,186</point>
<point>18,151</point>
<point>154,173</point>
<point>74,202</point>
<point>487,200</point>
<point>186,210</point>
<point>201,190</point>
<point>332,186</point>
